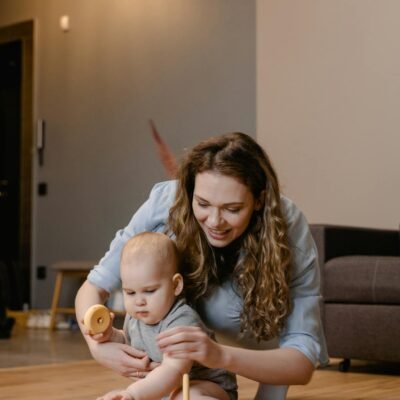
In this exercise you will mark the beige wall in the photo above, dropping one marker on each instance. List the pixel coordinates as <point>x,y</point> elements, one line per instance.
<point>189,65</point>
<point>328,106</point>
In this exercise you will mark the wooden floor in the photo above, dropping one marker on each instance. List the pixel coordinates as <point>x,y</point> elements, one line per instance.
<point>67,373</point>
<point>42,346</point>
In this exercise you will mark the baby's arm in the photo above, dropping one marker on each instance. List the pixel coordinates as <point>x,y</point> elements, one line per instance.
<point>159,383</point>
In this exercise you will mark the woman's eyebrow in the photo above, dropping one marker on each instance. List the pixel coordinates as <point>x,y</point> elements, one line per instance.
<point>233,203</point>
<point>199,198</point>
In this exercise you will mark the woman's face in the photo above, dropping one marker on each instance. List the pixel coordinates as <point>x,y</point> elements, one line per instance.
<point>223,207</point>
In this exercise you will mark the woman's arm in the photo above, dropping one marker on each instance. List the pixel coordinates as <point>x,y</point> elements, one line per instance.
<point>284,366</point>
<point>303,329</point>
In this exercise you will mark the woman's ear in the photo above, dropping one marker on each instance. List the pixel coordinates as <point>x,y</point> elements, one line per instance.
<point>177,280</point>
<point>259,203</point>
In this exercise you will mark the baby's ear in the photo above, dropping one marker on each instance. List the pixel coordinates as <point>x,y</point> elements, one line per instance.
<point>177,280</point>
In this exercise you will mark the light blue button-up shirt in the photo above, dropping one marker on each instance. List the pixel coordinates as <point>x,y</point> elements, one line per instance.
<point>222,308</point>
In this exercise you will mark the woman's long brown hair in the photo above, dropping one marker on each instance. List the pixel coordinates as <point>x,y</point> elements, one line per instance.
<point>263,267</point>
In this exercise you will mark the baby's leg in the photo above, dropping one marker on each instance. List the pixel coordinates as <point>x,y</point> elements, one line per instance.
<point>202,390</point>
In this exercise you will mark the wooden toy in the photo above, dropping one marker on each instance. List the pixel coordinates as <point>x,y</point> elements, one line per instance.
<point>97,319</point>
<point>185,387</point>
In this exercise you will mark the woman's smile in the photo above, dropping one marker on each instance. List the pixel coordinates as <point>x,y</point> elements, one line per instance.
<point>218,234</point>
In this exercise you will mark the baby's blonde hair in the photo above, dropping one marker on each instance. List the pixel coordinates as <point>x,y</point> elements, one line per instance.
<point>154,244</point>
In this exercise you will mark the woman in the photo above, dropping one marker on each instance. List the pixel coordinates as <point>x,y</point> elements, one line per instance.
<point>251,269</point>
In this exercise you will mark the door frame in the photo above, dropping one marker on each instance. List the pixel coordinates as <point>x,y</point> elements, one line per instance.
<point>24,32</point>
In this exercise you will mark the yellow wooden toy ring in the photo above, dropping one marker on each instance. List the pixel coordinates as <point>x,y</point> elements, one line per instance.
<point>97,319</point>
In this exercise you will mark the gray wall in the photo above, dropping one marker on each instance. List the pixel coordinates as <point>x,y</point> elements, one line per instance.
<point>188,64</point>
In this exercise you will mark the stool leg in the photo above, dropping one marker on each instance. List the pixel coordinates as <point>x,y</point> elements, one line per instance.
<point>56,298</point>
<point>344,365</point>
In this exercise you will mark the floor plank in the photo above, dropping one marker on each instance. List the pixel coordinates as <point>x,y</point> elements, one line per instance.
<point>42,346</point>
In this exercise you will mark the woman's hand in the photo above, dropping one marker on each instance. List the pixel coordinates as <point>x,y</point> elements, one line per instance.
<point>189,342</point>
<point>122,358</point>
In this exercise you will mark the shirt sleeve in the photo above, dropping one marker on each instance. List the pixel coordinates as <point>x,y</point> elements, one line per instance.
<point>151,216</point>
<point>182,315</point>
<point>303,330</point>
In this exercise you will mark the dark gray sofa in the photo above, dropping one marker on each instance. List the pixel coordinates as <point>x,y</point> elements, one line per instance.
<point>360,277</point>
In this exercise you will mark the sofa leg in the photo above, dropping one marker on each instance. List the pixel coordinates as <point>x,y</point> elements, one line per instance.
<point>344,365</point>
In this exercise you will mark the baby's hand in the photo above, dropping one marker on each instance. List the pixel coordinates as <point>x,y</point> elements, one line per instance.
<point>120,394</point>
<point>101,337</point>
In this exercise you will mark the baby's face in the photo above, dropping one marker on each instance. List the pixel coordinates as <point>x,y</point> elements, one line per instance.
<point>149,288</point>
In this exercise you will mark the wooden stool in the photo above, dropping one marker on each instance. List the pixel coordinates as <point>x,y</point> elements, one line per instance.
<point>66,269</point>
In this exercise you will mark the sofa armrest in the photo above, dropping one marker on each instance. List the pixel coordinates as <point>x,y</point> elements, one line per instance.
<point>337,241</point>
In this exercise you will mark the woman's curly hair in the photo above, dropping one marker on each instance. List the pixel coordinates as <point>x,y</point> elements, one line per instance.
<point>263,266</point>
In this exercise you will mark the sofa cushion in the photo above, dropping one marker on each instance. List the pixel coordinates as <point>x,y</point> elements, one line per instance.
<point>362,279</point>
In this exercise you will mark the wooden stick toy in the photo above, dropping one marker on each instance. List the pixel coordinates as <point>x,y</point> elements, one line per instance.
<point>185,387</point>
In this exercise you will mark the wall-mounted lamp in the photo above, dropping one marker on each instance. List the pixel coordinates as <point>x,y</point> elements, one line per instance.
<point>64,23</point>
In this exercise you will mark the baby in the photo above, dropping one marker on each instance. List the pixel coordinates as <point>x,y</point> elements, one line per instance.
<point>152,287</point>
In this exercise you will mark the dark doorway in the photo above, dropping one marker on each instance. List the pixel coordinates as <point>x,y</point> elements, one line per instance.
<point>10,128</point>
<point>16,162</point>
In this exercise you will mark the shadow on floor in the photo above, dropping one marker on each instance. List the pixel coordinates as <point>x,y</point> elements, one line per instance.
<point>366,367</point>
